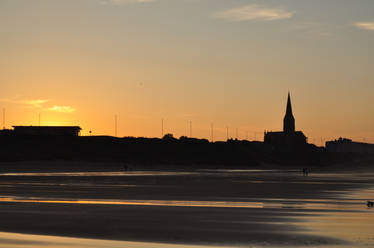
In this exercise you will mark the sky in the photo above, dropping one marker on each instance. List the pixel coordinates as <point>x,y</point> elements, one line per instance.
<point>226,63</point>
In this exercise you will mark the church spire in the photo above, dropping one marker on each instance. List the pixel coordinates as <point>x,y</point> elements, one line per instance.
<point>289,107</point>
<point>289,120</point>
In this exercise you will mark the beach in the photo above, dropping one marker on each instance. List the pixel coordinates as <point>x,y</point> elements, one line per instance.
<point>222,207</point>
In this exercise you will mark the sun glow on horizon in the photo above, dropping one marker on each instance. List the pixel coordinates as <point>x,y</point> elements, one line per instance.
<point>83,62</point>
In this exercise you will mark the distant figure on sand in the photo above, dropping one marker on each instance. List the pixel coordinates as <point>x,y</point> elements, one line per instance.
<point>127,167</point>
<point>305,171</point>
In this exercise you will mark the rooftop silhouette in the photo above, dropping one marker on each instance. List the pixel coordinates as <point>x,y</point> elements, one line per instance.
<point>289,139</point>
<point>46,130</point>
<point>289,120</point>
<point>63,142</point>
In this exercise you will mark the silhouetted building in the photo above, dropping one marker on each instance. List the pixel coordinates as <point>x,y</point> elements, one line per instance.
<point>348,146</point>
<point>46,130</point>
<point>289,120</point>
<point>289,139</point>
<point>6,132</point>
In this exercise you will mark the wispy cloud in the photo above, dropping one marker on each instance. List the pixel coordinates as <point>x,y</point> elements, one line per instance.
<point>253,12</point>
<point>61,109</point>
<point>34,103</point>
<point>123,2</point>
<point>314,29</point>
<point>37,103</point>
<point>365,25</point>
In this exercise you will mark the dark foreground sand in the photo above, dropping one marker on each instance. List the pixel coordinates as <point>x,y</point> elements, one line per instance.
<point>276,202</point>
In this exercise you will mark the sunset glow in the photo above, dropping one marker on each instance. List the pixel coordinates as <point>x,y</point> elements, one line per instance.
<point>226,62</point>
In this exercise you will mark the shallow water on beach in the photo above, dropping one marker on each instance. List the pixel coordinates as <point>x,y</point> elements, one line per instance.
<point>300,204</point>
<point>354,223</point>
<point>336,217</point>
<point>16,240</point>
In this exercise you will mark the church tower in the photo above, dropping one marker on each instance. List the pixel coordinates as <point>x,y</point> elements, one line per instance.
<point>289,120</point>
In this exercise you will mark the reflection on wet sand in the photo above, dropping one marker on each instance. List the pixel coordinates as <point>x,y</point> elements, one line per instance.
<point>139,202</point>
<point>99,174</point>
<point>355,226</point>
<point>254,208</point>
<point>302,204</point>
<point>16,240</point>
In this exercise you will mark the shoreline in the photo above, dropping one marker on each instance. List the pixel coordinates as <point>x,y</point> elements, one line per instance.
<point>76,165</point>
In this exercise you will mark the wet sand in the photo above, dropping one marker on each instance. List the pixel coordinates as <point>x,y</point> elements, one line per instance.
<point>206,207</point>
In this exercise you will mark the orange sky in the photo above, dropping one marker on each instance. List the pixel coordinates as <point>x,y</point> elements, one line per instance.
<point>222,62</point>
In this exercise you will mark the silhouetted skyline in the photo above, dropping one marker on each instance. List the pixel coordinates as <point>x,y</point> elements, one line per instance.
<point>289,138</point>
